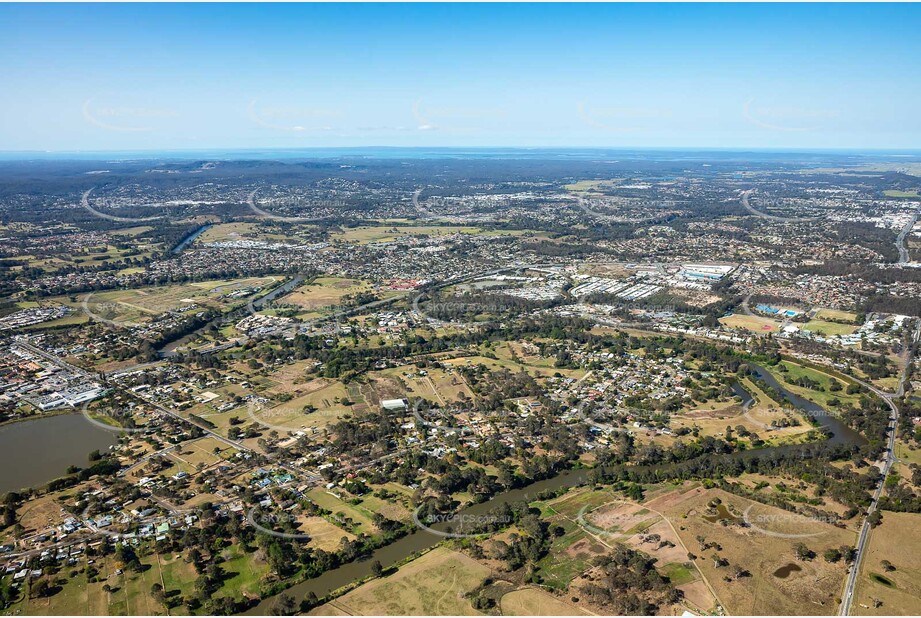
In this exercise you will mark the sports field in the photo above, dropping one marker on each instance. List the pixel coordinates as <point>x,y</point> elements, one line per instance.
<point>755,324</point>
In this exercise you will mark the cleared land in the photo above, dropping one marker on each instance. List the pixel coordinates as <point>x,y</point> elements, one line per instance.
<point>778,583</point>
<point>829,329</point>
<point>837,315</point>
<point>751,323</point>
<point>433,584</point>
<point>896,540</point>
<point>536,602</point>
<point>390,233</point>
<point>140,304</point>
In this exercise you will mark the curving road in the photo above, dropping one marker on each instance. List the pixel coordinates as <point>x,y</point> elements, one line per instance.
<point>251,202</point>
<point>763,215</point>
<point>85,202</point>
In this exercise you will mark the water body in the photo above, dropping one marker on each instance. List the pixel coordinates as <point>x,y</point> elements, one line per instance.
<point>840,433</point>
<point>169,350</point>
<point>420,540</point>
<point>786,570</point>
<point>35,452</point>
<point>185,242</point>
<point>722,513</point>
<point>279,291</point>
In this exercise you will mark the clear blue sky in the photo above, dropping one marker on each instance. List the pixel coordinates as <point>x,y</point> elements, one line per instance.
<point>129,77</point>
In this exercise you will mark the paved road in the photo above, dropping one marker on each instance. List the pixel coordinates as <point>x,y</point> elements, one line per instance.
<point>85,202</point>
<point>900,244</point>
<point>614,219</point>
<point>461,278</point>
<point>763,215</point>
<point>848,596</point>
<point>251,202</point>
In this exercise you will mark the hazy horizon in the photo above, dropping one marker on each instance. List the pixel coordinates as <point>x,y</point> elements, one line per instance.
<point>110,78</point>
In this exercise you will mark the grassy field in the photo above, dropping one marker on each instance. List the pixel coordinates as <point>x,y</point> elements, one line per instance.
<point>594,521</point>
<point>537,602</point>
<point>570,554</point>
<point>751,323</point>
<point>140,304</point>
<point>835,314</point>
<point>897,541</point>
<point>130,593</point>
<point>829,329</point>
<point>360,517</point>
<point>505,360</point>
<point>588,185</point>
<point>762,550</point>
<point>269,232</point>
<point>198,454</point>
<point>325,395</point>
<point>246,573</point>
<point>713,422</point>
<point>325,292</point>
<point>795,370</point>
<point>433,584</point>
<point>323,535</point>
<point>387,233</point>
<point>438,385</point>
<point>897,193</point>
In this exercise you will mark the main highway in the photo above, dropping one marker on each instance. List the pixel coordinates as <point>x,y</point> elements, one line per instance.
<point>848,596</point>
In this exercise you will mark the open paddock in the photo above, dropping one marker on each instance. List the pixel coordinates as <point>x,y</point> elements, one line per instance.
<point>434,584</point>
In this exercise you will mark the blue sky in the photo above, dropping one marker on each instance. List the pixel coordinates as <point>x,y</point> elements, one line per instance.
<point>153,77</point>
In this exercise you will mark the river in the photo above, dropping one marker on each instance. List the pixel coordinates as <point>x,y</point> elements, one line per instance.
<point>422,539</point>
<point>169,350</point>
<point>36,451</point>
<point>185,242</point>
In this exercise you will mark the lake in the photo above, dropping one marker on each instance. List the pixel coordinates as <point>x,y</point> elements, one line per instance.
<point>36,451</point>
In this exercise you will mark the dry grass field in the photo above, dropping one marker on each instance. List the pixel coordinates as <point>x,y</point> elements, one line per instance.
<point>765,550</point>
<point>829,329</point>
<point>647,528</point>
<point>323,535</point>
<point>712,419</point>
<point>324,292</point>
<point>751,323</point>
<point>896,539</point>
<point>433,584</point>
<point>140,304</point>
<point>537,602</point>
<point>327,397</point>
<point>835,314</point>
